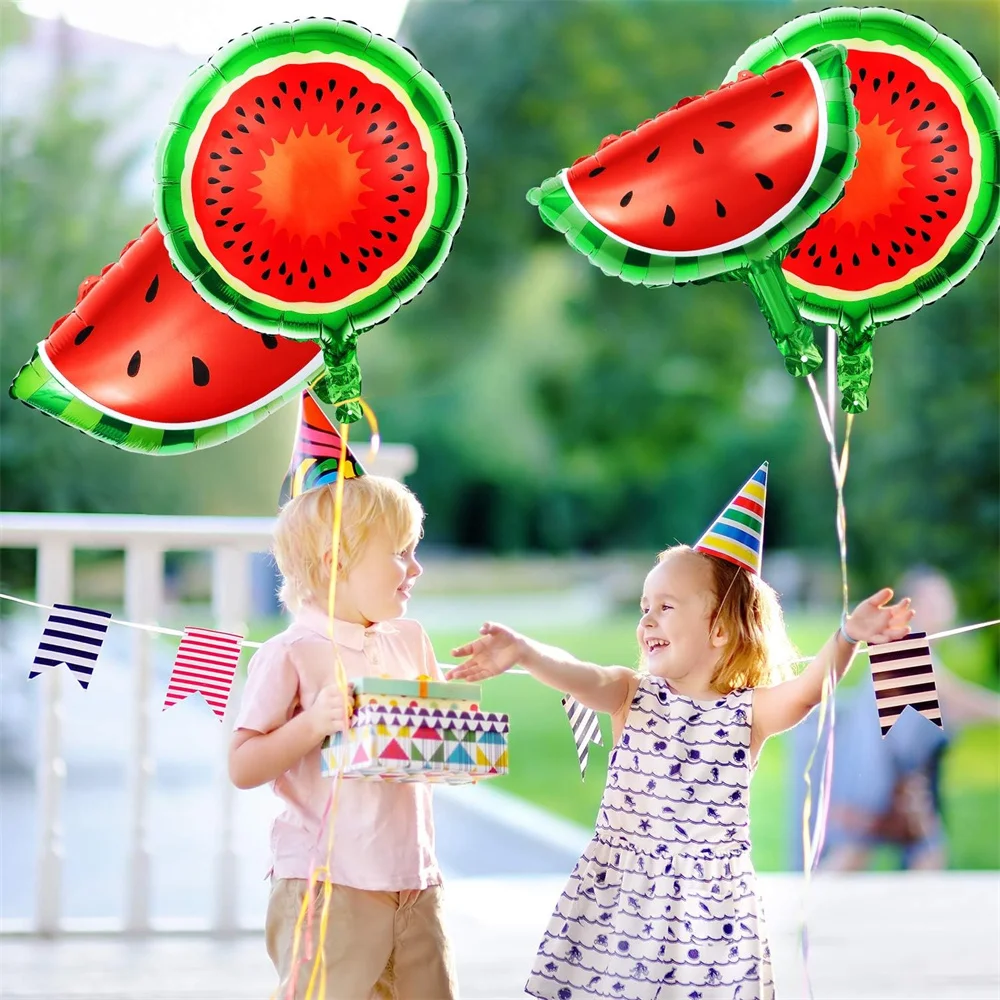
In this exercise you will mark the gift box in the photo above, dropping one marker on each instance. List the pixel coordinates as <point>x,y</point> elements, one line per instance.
<point>399,734</point>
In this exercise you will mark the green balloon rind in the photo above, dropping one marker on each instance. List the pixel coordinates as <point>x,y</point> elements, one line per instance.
<point>427,99</point>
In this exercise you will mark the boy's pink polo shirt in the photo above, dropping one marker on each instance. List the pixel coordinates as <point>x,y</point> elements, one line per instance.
<point>384,832</point>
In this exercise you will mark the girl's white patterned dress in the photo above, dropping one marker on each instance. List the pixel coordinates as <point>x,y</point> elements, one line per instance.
<point>663,904</point>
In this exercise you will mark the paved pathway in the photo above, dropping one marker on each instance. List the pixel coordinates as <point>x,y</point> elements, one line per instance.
<point>874,937</point>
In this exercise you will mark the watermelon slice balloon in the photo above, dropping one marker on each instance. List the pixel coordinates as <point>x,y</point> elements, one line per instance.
<point>718,187</point>
<point>144,363</point>
<point>924,201</point>
<point>311,181</point>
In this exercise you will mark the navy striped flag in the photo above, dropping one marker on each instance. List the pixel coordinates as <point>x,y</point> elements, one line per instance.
<point>73,636</point>
<point>586,730</point>
<point>903,675</point>
<point>205,664</point>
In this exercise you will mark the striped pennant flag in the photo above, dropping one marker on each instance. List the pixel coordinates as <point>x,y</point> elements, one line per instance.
<point>73,636</point>
<point>586,730</point>
<point>903,675</point>
<point>205,663</point>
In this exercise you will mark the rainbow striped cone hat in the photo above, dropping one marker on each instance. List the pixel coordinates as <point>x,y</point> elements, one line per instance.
<point>318,451</point>
<point>738,532</point>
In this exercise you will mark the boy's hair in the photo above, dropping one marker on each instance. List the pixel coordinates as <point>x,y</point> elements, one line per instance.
<point>759,651</point>
<point>304,533</point>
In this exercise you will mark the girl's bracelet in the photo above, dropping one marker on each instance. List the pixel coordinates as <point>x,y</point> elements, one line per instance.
<point>843,631</point>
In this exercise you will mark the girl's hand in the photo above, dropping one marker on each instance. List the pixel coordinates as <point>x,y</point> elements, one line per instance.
<point>331,711</point>
<point>498,650</point>
<point>875,620</point>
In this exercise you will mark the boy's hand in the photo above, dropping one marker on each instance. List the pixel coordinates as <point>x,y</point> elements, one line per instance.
<point>875,620</point>
<point>498,649</point>
<point>330,712</point>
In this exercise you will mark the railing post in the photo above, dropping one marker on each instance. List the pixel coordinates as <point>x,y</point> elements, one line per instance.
<point>143,603</point>
<point>230,605</point>
<point>54,583</point>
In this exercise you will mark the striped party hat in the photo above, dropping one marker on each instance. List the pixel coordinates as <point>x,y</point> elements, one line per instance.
<point>318,451</point>
<point>738,532</point>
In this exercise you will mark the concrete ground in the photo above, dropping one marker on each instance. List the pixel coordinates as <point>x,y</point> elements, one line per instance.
<point>873,937</point>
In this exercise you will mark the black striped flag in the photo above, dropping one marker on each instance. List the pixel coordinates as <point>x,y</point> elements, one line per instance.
<point>205,664</point>
<point>903,675</point>
<point>586,729</point>
<point>73,636</point>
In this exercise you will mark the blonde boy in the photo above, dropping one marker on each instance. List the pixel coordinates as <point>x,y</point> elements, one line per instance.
<point>384,937</point>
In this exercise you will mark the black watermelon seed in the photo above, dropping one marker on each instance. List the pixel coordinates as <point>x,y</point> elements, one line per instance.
<point>297,101</point>
<point>373,127</point>
<point>875,250</point>
<point>403,145</point>
<point>669,217</point>
<point>910,230</point>
<point>840,269</point>
<point>354,92</point>
<point>375,233</point>
<point>795,253</point>
<point>949,149</point>
<point>389,218</point>
<point>266,274</point>
<point>937,159</point>
<point>362,267</point>
<point>259,101</point>
<point>652,156</point>
<point>833,251</point>
<point>940,214</point>
<point>390,126</point>
<point>365,251</point>
<point>83,334</point>
<point>344,257</point>
<point>211,201</point>
<point>242,128</point>
<point>331,85</point>
<point>289,279</point>
<point>929,106</point>
<point>818,261</point>
<point>854,89</point>
<point>895,97</point>
<point>862,73</point>
<point>215,156</point>
<point>409,189</point>
<point>220,223</point>
<point>359,108</point>
<point>199,372</point>
<point>319,93</point>
<point>133,365</point>
<point>726,124</point>
<point>876,83</point>
<point>941,179</point>
<point>259,118</point>
<point>407,166</point>
<point>404,212</point>
<point>951,170</point>
<point>943,127</point>
<point>303,86</point>
<point>226,210</point>
<point>303,267</point>
<point>596,171</point>
<point>387,140</point>
<point>924,124</point>
<point>765,182</point>
<point>782,128</point>
<point>915,103</point>
<point>926,237</point>
<point>398,177</point>
<point>812,250</point>
<point>895,246</point>
<point>154,287</point>
<point>392,197</point>
<point>282,86</point>
<point>910,86</point>
<point>890,76</point>
<point>376,251</point>
<point>223,168</point>
<point>891,260</point>
<point>312,283</point>
<point>855,260</point>
<point>392,237</point>
<point>327,273</point>
<point>340,103</point>
<point>226,134</point>
<point>937,139</point>
<point>238,227</point>
<point>720,209</point>
<point>282,267</point>
<point>698,147</point>
<point>926,218</point>
<point>265,255</point>
<point>269,340</point>
<point>240,112</point>
<point>226,188</point>
<point>932,197</point>
<point>229,244</point>
<point>276,101</point>
<point>625,199</point>
<point>246,246</point>
<point>950,192</point>
<point>213,180</point>
<point>907,248</point>
<point>778,93</point>
<point>248,259</point>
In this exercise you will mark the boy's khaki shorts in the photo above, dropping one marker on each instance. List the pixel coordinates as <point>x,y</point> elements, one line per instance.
<point>379,945</point>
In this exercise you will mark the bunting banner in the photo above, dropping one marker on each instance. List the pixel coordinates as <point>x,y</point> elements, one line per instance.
<point>586,730</point>
<point>73,636</point>
<point>903,675</point>
<point>205,664</point>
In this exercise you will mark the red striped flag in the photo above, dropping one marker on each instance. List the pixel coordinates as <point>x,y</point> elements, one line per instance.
<point>205,664</point>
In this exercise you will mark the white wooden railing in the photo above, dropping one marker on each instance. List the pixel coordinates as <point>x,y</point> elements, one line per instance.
<point>144,539</point>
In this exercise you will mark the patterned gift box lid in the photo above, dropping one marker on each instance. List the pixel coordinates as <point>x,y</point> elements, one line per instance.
<point>427,723</point>
<point>421,687</point>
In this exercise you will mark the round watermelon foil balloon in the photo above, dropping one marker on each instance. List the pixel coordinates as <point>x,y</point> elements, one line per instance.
<point>311,182</point>
<point>719,187</point>
<point>924,201</point>
<point>144,363</point>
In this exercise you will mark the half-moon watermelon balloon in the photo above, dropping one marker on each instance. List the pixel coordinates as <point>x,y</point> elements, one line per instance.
<point>718,187</point>
<point>924,201</point>
<point>310,182</point>
<point>142,362</point>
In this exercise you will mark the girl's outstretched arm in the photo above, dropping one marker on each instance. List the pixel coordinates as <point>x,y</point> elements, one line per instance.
<point>783,706</point>
<point>499,648</point>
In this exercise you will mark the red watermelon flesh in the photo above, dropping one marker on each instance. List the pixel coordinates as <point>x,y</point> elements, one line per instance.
<point>143,346</point>
<point>309,183</point>
<point>910,191</point>
<point>712,172</point>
